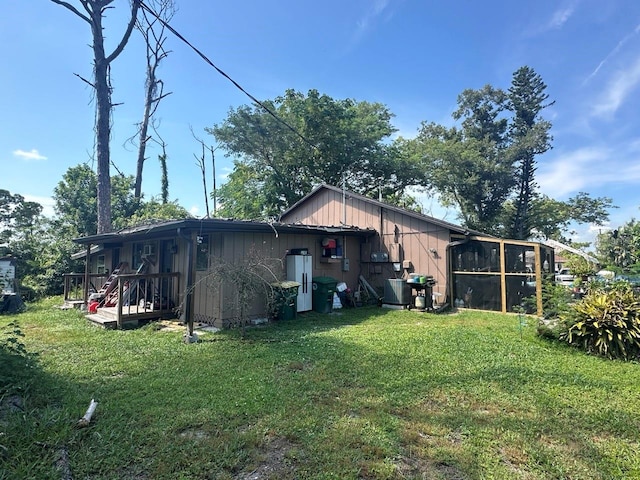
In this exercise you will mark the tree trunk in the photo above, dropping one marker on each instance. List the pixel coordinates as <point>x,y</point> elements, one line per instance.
<point>103,127</point>
<point>144,128</point>
<point>92,13</point>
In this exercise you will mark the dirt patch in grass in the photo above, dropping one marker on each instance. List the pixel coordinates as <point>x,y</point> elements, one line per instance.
<point>273,462</point>
<point>195,434</point>
<point>415,467</point>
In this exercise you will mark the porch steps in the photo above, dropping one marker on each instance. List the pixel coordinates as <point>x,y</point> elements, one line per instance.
<point>102,321</point>
<point>71,304</point>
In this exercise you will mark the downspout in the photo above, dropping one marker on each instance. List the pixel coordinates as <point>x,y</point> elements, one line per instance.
<point>86,277</point>
<point>450,264</point>
<point>188,289</point>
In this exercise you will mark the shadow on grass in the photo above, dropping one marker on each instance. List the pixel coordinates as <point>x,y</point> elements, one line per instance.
<point>370,393</point>
<point>35,423</point>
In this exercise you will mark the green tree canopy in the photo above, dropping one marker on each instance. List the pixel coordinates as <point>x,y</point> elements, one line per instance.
<point>620,248</point>
<point>18,217</point>
<point>333,141</point>
<point>486,166</point>
<point>75,199</point>
<point>468,166</point>
<point>155,209</point>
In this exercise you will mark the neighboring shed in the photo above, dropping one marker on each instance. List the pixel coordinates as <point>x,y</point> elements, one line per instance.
<point>8,283</point>
<point>10,300</point>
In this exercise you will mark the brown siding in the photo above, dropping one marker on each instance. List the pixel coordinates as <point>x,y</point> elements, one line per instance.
<point>216,307</point>
<point>416,237</point>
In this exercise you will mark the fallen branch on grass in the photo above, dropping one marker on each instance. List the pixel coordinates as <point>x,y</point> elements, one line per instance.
<point>63,464</point>
<point>84,421</point>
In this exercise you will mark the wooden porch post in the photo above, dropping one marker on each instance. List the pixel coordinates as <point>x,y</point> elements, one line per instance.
<point>86,275</point>
<point>503,278</point>
<point>119,302</point>
<point>538,270</point>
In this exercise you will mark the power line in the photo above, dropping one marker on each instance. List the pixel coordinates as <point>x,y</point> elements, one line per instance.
<point>221,72</point>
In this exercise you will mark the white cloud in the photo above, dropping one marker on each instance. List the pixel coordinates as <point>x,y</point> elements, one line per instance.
<point>194,210</point>
<point>560,16</point>
<point>365,22</point>
<point>46,202</point>
<point>586,169</point>
<point>32,155</point>
<point>619,88</point>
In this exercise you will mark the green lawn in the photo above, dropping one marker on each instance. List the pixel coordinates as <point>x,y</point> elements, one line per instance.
<point>366,393</point>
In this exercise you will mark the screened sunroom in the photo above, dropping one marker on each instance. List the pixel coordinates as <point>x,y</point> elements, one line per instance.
<point>501,275</point>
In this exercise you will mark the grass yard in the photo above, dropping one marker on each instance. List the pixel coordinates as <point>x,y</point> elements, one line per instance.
<point>366,393</point>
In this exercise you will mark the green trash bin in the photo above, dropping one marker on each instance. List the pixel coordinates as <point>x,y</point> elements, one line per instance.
<point>323,290</point>
<point>285,296</point>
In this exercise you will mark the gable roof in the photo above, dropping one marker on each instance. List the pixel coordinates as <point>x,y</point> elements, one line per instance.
<point>425,218</point>
<point>212,225</point>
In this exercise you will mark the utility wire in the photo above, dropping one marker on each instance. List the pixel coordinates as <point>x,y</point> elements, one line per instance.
<point>221,72</point>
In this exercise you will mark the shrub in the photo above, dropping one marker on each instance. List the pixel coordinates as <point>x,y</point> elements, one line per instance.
<point>16,363</point>
<point>555,299</point>
<point>606,322</point>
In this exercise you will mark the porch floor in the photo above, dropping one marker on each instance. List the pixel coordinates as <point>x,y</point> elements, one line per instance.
<point>132,316</point>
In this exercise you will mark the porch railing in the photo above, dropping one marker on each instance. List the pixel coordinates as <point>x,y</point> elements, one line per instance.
<point>145,295</point>
<point>74,285</point>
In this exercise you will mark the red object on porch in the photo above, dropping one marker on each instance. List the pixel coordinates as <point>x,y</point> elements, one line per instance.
<point>93,307</point>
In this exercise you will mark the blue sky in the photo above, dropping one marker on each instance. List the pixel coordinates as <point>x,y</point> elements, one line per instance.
<point>413,56</point>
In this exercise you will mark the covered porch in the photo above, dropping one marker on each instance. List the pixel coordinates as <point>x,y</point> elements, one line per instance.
<point>124,300</point>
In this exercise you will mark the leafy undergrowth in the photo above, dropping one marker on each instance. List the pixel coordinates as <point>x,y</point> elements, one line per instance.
<point>366,393</point>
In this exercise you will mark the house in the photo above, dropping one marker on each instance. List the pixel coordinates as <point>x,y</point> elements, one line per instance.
<point>152,271</point>
<point>156,270</point>
<point>469,269</point>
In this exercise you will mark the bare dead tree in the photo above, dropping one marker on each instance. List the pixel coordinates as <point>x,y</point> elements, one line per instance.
<point>200,161</point>
<point>92,12</point>
<point>162,158</point>
<point>153,31</point>
<point>214,195</point>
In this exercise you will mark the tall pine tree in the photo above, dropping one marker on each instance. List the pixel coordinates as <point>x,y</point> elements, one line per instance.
<point>529,135</point>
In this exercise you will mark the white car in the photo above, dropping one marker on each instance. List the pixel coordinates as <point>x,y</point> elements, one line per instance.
<point>564,277</point>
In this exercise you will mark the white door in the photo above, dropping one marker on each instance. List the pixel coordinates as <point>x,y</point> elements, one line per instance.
<point>299,269</point>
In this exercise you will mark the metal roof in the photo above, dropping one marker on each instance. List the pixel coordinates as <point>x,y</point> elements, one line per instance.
<point>212,225</point>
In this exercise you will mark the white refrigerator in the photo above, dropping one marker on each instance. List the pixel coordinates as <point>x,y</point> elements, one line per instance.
<point>299,269</point>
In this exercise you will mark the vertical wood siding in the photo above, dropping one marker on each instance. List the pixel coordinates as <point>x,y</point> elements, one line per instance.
<point>416,237</point>
<point>215,305</point>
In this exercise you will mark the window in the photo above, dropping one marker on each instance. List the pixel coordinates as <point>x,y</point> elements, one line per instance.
<point>100,265</point>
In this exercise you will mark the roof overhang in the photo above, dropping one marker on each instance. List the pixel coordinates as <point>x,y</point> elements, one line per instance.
<point>214,225</point>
